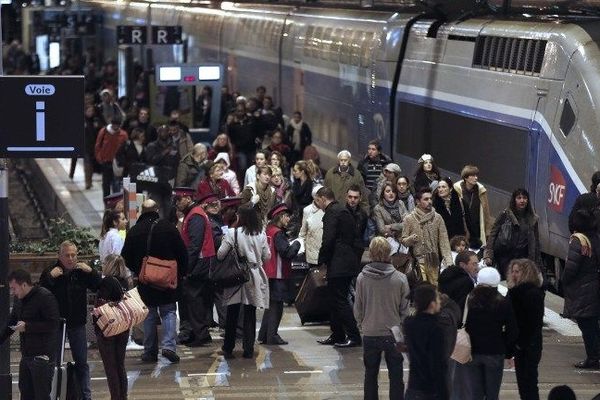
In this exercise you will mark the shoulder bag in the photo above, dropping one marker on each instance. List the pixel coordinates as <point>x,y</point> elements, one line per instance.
<point>233,270</point>
<point>156,272</point>
<point>503,242</point>
<point>462,348</point>
<point>114,318</point>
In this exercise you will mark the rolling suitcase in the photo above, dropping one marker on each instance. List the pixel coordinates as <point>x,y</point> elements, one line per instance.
<point>311,302</point>
<point>299,270</point>
<point>59,380</point>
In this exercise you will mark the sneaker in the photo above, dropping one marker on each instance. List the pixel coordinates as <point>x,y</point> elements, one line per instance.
<point>148,358</point>
<point>170,355</point>
<point>131,345</point>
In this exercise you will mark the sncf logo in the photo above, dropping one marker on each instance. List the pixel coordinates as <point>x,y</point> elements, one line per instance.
<point>557,190</point>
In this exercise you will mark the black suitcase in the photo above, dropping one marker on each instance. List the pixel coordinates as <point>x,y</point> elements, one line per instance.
<point>311,302</point>
<point>64,382</point>
<point>299,270</point>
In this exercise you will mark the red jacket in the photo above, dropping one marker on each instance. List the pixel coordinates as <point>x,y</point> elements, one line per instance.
<point>223,189</point>
<point>208,245</point>
<point>276,267</point>
<point>107,144</point>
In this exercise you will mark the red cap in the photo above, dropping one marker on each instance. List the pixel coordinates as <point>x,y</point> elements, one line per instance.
<point>111,201</point>
<point>183,191</point>
<point>231,201</point>
<point>208,198</point>
<point>278,209</point>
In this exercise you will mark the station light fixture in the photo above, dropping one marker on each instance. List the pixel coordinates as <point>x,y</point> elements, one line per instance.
<point>169,74</point>
<point>209,73</point>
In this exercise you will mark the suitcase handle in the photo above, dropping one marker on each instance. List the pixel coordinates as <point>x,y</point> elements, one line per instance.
<point>61,358</point>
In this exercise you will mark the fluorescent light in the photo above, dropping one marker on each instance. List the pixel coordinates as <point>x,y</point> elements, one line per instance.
<point>169,74</point>
<point>54,54</point>
<point>209,73</point>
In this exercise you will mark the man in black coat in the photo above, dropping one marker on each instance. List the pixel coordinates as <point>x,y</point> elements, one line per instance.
<point>338,252</point>
<point>353,198</point>
<point>458,280</point>
<point>166,244</point>
<point>588,201</point>
<point>69,281</point>
<point>35,316</point>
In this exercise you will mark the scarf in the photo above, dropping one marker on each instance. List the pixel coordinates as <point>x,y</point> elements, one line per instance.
<point>266,197</point>
<point>296,134</point>
<point>216,188</point>
<point>425,220</point>
<point>393,208</point>
<point>280,190</point>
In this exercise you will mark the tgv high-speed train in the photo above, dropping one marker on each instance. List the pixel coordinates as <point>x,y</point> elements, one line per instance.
<point>519,97</point>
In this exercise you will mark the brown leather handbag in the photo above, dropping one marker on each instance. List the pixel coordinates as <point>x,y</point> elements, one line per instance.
<point>156,272</point>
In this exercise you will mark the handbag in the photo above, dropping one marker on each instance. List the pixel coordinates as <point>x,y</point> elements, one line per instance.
<point>114,318</point>
<point>232,271</point>
<point>462,348</point>
<point>156,272</point>
<point>503,242</point>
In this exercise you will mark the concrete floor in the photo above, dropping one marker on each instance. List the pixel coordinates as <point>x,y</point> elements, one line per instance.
<point>303,370</point>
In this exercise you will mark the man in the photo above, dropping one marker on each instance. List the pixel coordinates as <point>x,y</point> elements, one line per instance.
<point>380,308</point>
<point>69,281</point>
<point>197,236</point>
<point>163,154</point>
<point>353,198</point>
<point>108,109</point>
<point>143,122</point>
<point>338,254</point>
<point>425,342</point>
<point>191,168</point>
<point>260,160</point>
<point>477,208</point>
<point>589,201</point>
<point>109,141</point>
<point>425,232</point>
<point>166,244</point>
<point>458,280</point>
<point>35,317</point>
<point>342,176</point>
<point>181,139</point>
<point>371,166</point>
<point>299,136</point>
<point>174,117</point>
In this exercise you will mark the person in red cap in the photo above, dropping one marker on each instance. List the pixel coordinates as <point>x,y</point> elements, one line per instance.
<point>198,238</point>
<point>229,206</point>
<point>278,269</point>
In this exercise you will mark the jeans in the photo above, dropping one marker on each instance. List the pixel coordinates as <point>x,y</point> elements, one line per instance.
<point>341,316</point>
<point>108,179</point>
<point>373,346</point>
<point>526,368</point>
<point>484,375</point>
<point>169,327</point>
<point>112,351</point>
<point>460,389</point>
<point>78,341</point>
<point>590,332</point>
<point>35,378</point>
<point>249,334</point>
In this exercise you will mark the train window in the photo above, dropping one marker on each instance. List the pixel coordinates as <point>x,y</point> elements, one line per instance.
<point>356,43</point>
<point>456,140</point>
<point>567,118</point>
<point>308,43</point>
<point>346,47</point>
<point>326,44</point>
<point>318,42</point>
<point>336,43</point>
<point>367,47</point>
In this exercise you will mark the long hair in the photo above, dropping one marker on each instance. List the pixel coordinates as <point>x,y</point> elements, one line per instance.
<point>114,265</point>
<point>529,273</point>
<point>513,201</point>
<point>382,194</point>
<point>108,221</point>
<point>249,220</point>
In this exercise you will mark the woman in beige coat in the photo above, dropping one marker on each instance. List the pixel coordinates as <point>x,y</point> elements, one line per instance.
<point>251,244</point>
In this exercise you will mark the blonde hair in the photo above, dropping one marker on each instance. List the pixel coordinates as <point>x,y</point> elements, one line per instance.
<point>529,273</point>
<point>275,171</point>
<point>114,265</point>
<point>380,249</point>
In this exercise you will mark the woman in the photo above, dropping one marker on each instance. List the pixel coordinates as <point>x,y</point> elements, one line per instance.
<point>427,172</point>
<point>278,160</point>
<point>112,349</point>
<point>515,234</point>
<point>133,151</point>
<point>277,144</point>
<point>493,331</point>
<point>391,172</point>
<point>447,203</point>
<point>311,231</point>
<point>404,194</point>
<point>228,174</point>
<point>111,241</point>
<point>278,269</point>
<point>214,183</point>
<point>303,184</point>
<point>283,192</point>
<point>251,244</point>
<point>311,155</point>
<point>581,285</point>
<point>260,192</point>
<point>389,212</point>
<point>527,299</point>
<point>222,144</point>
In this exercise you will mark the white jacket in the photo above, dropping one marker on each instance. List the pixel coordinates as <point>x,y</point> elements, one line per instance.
<point>311,232</point>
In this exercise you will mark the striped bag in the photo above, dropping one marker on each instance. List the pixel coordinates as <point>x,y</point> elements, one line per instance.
<point>117,317</point>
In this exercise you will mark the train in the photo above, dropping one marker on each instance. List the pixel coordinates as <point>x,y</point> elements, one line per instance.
<point>517,95</point>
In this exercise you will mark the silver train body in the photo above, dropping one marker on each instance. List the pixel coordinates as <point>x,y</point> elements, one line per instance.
<point>518,98</point>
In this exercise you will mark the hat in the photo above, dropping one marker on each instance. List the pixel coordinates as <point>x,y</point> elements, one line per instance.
<point>105,91</point>
<point>111,200</point>
<point>231,202</point>
<point>425,157</point>
<point>488,276</point>
<point>278,209</point>
<point>208,198</point>
<point>393,167</point>
<point>183,191</point>
<point>223,156</point>
<point>315,190</point>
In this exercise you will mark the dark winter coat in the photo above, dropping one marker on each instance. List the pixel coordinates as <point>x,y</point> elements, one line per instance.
<point>371,169</point>
<point>491,323</point>
<point>70,290</point>
<point>338,246</point>
<point>163,154</point>
<point>422,181</point>
<point>302,193</point>
<point>580,280</point>
<point>450,317</point>
<point>586,201</point>
<point>453,219</point>
<point>360,222</point>
<point>341,182</point>
<point>305,136</point>
<point>166,244</point>
<point>39,311</point>
<point>527,301</point>
<point>457,284</point>
<point>128,155</point>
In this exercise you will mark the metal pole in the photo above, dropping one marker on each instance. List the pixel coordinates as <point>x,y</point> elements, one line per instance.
<point>5,376</point>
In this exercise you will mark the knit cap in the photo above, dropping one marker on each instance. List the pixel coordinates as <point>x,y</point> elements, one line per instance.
<point>488,276</point>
